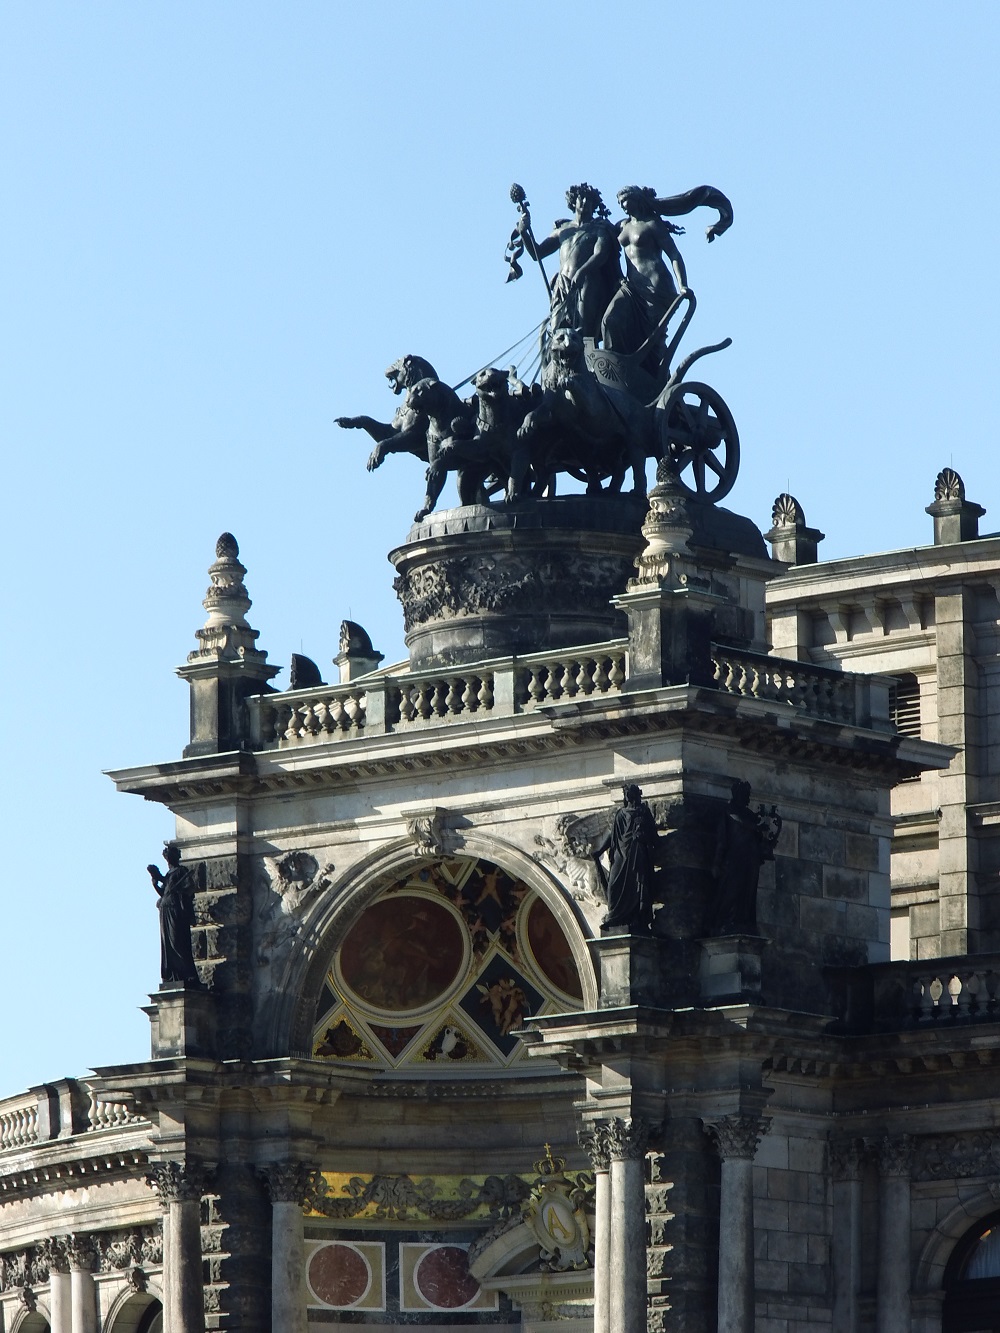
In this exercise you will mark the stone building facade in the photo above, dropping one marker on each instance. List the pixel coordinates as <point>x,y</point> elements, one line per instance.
<point>418,1085</point>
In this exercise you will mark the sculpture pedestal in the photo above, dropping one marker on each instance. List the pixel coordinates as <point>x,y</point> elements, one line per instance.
<point>182,1022</point>
<point>629,967</point>
<point>730,968</point>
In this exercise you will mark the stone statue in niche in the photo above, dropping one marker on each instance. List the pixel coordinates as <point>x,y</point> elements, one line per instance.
<point>746,839</point>
<point>633,847</point>
<point>176,890</point>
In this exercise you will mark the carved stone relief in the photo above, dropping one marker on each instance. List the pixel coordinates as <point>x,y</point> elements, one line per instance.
<point>292,881</point>
<point>956,1156</point>
<point>481,585</point>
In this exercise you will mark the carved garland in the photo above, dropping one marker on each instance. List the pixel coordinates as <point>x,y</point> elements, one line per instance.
<point>100,1252</point>
<point>398,1198</point>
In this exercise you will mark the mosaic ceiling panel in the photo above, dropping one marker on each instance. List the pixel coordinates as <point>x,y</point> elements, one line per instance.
<point>442,969</point>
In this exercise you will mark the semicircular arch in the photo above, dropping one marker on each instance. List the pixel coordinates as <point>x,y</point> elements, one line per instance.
<point>940,1244</point>
<point>289,1023</point>
<point>134,1311</point>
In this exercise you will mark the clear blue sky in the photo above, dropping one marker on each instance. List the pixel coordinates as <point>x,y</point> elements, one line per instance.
<point>222,221</point>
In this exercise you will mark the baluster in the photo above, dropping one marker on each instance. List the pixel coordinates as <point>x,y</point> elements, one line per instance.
<point>602,681</point>
<point>470,695</point>
<point>926,1007</point>
<point>439,701</point>
<point>555,688</point>
<point>617,673</point>
<point>568,682</point>
<point>585,676</point>
<point>522,691</point>
<point>407,704</point>
<point>290,732</point>
<point>310,723</point>
<point>338,718</point>
<point>425,692</point>
<point>960,995</point>
<point>486,693</point>
<point>453,695</point>
<point>352,712</point>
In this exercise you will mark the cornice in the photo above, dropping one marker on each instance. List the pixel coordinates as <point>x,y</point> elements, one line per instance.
<point>65,1173</point>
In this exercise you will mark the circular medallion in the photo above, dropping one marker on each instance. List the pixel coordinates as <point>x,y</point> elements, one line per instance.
<point>339,1275</point>
<point>443,1279</point>
<point>404,953</point>
<point>550,949</point>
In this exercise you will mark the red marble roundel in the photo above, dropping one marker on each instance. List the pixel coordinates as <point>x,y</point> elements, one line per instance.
<point>339,1275</point>
<point>442,1278</point>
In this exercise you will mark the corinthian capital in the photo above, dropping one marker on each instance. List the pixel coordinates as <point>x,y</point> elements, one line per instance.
<point>894,1154</point>
<point>626,1140</point>
<point>846,1157</point>
<point>594,1142</point>
<point>177,1182</point>
<point>737,1135</point>
<point>82,1253</point>
<point>289,1182</point>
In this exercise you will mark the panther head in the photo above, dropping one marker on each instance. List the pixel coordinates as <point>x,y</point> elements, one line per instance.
<point>405,372</point>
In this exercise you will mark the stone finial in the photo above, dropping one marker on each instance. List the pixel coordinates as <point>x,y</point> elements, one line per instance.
<point>667,528</point>
<point>226,632</point>
<point>357,657</point>
<point>792,541</point>
<point>956,519</point>
<point>227,667</point>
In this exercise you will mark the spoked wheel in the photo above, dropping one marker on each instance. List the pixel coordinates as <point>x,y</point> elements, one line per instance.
<point>697,432</point>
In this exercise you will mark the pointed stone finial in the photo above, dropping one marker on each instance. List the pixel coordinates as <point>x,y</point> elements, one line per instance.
<point>956,519</point>
<point>792,540</point>
<point>227,667</point>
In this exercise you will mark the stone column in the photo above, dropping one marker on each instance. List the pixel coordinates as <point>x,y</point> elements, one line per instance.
<point>735,1138</point>
<point>83,1293</point>
<point>892,1306</point>
<point>180,1186</point>
<point>626,1148</point>
<point>846,1156</point>
<point>288,1185</point>
<point>595,1143</point>
<point>60,1285</point>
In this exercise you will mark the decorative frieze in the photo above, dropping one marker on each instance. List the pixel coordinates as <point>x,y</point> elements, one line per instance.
<point>440,1199</point>
<point>131,1249</point>
<point>737,1135</point>
<point>956,1156</point>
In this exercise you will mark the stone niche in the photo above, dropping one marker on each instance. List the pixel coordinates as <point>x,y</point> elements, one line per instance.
<point>478,582</point>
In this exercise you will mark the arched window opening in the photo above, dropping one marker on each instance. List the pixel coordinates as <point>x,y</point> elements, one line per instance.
<point>141,1313</point>
<point>442,969</point>
<point>972,1281</point>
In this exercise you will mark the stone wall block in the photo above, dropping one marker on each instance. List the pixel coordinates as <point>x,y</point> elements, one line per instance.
<point>862,851</point>
<point>851,885</point>
<point>825,845</point>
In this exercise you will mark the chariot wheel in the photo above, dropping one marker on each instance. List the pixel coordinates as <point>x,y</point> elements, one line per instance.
<point>698,436</point>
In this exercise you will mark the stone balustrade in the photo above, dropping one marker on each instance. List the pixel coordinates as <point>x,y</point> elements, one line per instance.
<point>396,703</point>
<point>392,702</point>
<point>18,1121</point>
<point>102,1114</point>
<point>910,994</point>
<point>60,1111</point>
<point>817,691</point>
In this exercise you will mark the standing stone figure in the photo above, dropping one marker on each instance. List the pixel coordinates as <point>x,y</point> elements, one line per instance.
<point>589,268</point>
<point>633,846</point>
<point>176,890</point>
<point>746,840</point>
